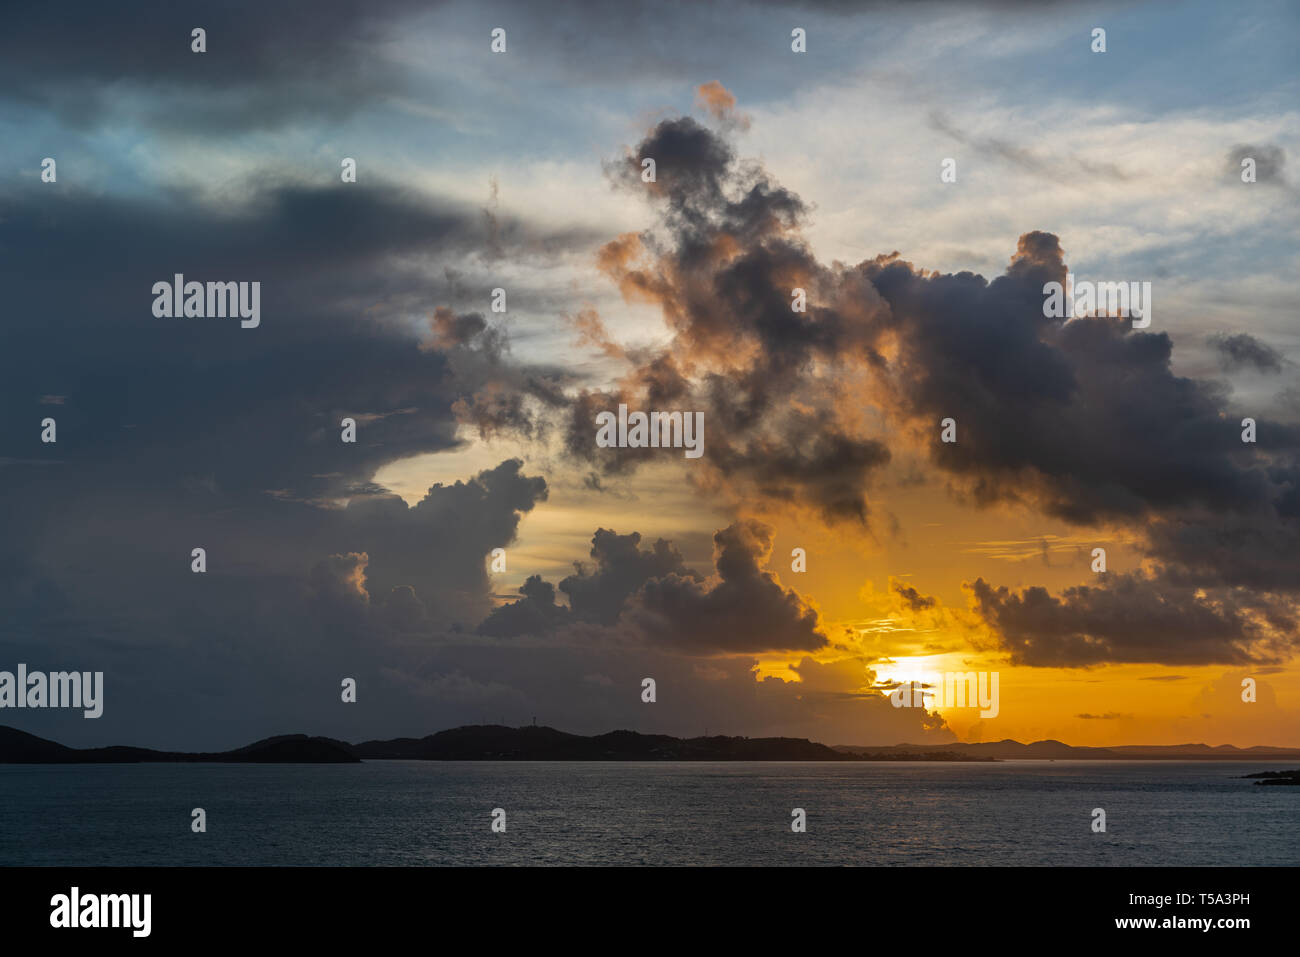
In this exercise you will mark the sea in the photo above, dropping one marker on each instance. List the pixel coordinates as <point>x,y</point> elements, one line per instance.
<point>413,813</point>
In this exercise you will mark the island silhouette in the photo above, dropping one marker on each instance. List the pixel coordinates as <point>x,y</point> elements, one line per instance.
<point>533,743</point>
<point>1291,778</point>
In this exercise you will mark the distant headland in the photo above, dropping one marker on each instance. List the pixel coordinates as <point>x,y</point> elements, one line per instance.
<point>532,743</point>
<point>469,743</point>
<point>19,747</point>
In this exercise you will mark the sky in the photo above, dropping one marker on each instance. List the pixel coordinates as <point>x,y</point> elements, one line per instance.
<point>476,429</point>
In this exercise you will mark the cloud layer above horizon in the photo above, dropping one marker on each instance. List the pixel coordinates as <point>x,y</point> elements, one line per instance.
<point>475,428</point>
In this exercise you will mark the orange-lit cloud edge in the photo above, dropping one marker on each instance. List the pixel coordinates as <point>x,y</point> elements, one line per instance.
<point>894,591</point>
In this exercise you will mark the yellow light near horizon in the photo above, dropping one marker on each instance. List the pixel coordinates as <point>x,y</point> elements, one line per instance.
<point>909,669</point>
<point>922,669</point>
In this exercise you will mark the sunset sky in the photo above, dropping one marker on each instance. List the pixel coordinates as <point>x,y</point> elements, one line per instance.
<point>476,430</point>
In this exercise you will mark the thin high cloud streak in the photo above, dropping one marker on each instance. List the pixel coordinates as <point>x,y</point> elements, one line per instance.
<point>1057,168</point>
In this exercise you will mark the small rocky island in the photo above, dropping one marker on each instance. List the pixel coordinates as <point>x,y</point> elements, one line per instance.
<point>1277,777</point>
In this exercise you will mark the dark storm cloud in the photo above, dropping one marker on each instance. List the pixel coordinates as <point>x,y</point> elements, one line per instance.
<point>91,63</point>
<point>653,596</point>
<point>534,614</point>
<point>1085,416</point>
<point>1087,421</point>
<point>587,676</point>
<point>340,281</point>
<point>1243,351</point>
<point>1251,551</point>
<point>820,463</point>
<point>180,433</point>
<point>1084,419</point>
<point>695,166</point>
<point>261,642</point>
<point>1135,619</point>
<point>597,593</point>
<point>439,544</point>
<point>282,231</point>
<point>747,610</point>
<point>723,267</point>
<point>295,599</point>
<point>256,409</point>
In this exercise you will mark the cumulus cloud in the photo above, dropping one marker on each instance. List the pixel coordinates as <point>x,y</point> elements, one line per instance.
<point>535,613</point>
<point>661,602</point>
<point>722,268</point>
<point>598,593</point>
<point>1083,420</point>
<point>1132,618</point>
<point>341,578</point>
<point>746,610</point>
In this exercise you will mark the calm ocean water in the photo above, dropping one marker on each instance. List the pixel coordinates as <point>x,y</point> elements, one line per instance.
<point>416,813</point>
